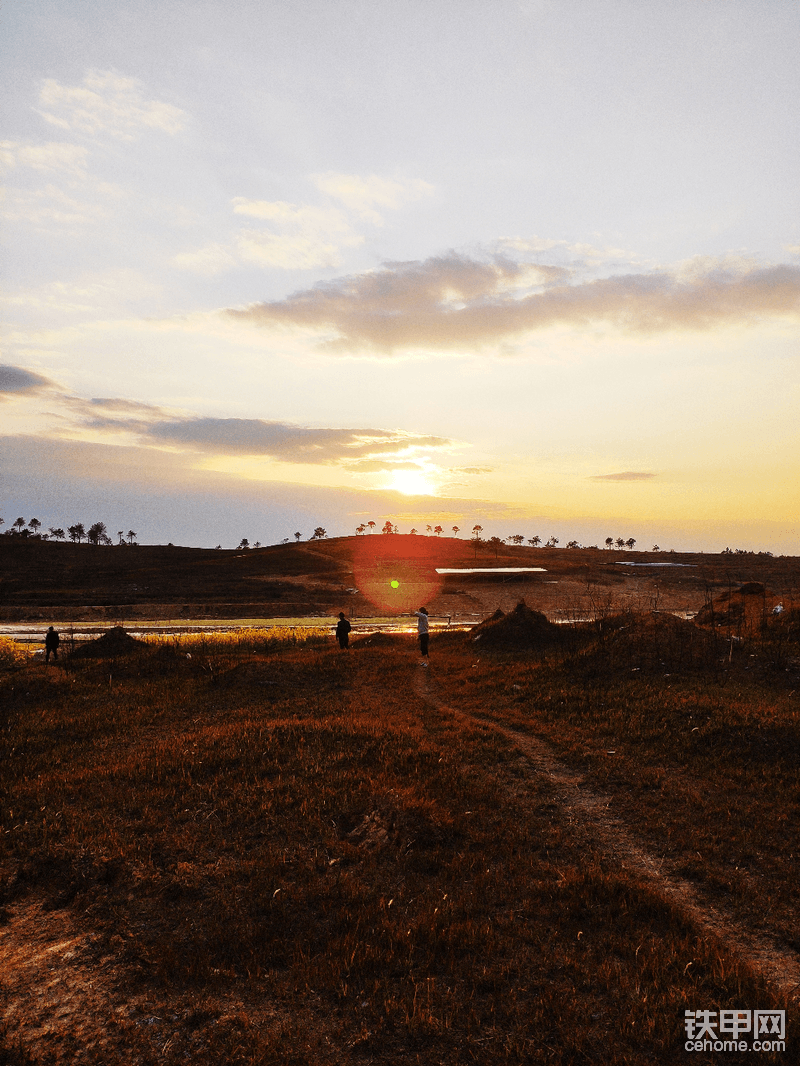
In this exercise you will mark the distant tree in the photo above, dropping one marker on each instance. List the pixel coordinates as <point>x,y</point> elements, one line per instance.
<point>96,532</point>
<point>609,542</point>
<point>455,531</point>
<point>121,535</point>
<point>297,536</point>
<point>20,524</point>
<point>629,543</point>
<point>131,536</point>
<point>218,548</point>
<point>619,542</point>
<point>319,533</point>
<point>257,544</point>
<point>56,533</point>
<point>656,548</point>
<point>243,543</point>
<point>496,543</point>
<point>371,526</point>
<point>534,541</point>
<point>429,529</point>
<point>76,532</point>
<point>285,540</point>
<point>517,538</point>
<point>573,544</point>
<point>476,532</point>
<point>360,529</point>
<point>35,525</point>
<point>413,533</point>
<point>438,530</point>
<point>552,542</point>
<point>387,527</point>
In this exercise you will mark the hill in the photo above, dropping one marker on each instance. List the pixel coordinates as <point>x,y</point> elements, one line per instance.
<point>364,576</point>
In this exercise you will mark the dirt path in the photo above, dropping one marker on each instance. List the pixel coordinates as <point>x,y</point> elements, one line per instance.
<point>588,813</point>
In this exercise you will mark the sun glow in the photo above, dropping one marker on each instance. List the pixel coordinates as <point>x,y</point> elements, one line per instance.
<point>412,483</point>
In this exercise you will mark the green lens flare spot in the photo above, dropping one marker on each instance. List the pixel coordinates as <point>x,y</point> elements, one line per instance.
<point>395,584</point>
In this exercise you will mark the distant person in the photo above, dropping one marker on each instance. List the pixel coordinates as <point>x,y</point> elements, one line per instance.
<point>343,631</point>
<point>51,642</point>
<point>422,632</point>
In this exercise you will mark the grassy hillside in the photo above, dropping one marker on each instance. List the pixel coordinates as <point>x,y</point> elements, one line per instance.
<point>60,581</point>
<point>253,850</point>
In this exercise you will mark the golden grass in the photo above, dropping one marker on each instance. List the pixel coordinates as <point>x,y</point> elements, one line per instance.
<point>299,827</point>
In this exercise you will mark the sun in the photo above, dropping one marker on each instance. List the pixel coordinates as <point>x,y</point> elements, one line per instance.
<point>412,483</point>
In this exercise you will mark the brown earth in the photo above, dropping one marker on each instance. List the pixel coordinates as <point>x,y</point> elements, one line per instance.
<point>79,582</point>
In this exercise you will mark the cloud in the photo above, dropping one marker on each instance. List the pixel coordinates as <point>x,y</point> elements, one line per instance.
<point>54,156</point>
<point>456,302</point>
<point>17,380</point>
<point>305,236</point>
<point>107,102</point>
<point>471,470</point>
<point>281,440</point>
<point>626,475</point>
<point>362,195</point>
<point>51,206</point>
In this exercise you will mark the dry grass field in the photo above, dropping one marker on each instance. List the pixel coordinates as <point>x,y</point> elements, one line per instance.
<point>545,847</point>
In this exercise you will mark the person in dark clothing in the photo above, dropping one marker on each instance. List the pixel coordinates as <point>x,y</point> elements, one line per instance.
<point>343,631</point>
<point>51,642</point>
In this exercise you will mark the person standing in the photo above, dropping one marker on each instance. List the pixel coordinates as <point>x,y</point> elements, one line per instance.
<point>51,642</point>
<point>343,631</point>
<point>422,632</point>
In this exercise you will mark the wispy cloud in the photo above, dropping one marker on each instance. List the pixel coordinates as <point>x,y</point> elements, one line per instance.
<point>304,236</point>
<point>53,156</point>
<point>456,301</point>
<point>626,475</point>
<point>18,381</point>
<point>364,195</point>
<point>107,102</point>
<point>361,450</point>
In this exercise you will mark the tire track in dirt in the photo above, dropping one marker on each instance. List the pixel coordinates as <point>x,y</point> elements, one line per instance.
<point>588,811</point>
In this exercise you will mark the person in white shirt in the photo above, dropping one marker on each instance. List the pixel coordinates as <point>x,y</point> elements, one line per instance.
<point>422,632</point>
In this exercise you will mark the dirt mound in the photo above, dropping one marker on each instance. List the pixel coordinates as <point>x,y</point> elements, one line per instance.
<point>113,643</point>
<point>520,629</point>
<point>380,640</point>
<point>744,608</point>
<point>651,641</point>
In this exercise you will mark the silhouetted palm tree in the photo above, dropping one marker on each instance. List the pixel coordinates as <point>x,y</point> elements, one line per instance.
<point>131,536</point>
<point>371,526</point>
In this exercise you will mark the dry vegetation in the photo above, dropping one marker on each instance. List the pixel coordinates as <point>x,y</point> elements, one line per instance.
<point>543,849</point>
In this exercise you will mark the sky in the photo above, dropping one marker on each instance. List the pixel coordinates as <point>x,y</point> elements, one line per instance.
<point>532,265</point>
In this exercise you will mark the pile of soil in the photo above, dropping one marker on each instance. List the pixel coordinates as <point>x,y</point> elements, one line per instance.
<point>744,608</point>
<point>519,630</point>
<point>652,641</point>
<point>380,640</point>
<point>112,644</point>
